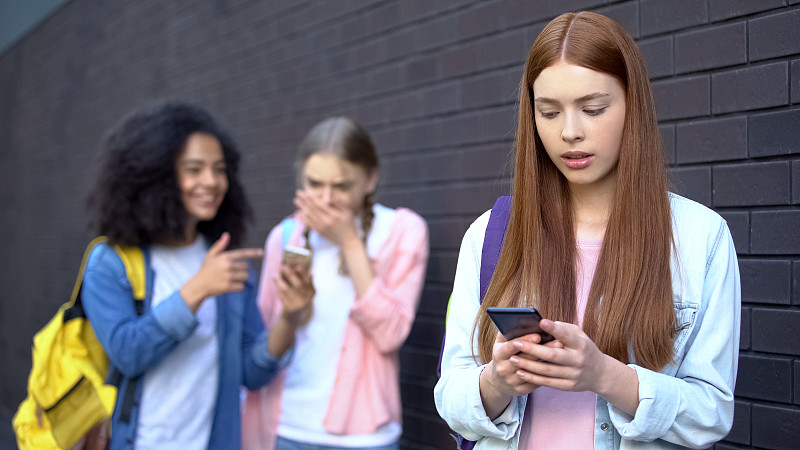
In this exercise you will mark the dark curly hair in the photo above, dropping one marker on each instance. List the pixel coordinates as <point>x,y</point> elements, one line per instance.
<point>136,199</point>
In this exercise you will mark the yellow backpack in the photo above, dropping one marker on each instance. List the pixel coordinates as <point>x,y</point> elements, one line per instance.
<point>67,394</point>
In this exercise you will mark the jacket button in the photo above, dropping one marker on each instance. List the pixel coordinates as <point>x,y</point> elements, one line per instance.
<point>604,426</point>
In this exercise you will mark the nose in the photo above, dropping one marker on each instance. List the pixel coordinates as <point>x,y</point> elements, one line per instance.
<point>573,128</point>
<point>208,177</point>
<point>327,195</point>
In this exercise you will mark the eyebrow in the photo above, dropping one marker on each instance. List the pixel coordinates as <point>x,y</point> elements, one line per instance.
<point>335,183</point>
<point>201,161</point>
<point>585,98</point>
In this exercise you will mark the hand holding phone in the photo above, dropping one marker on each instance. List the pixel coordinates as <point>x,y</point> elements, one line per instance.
<point>516,322</point>
<point>298,256</point>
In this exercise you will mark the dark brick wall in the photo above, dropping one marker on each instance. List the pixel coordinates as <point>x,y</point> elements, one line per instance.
<point>435,82</point>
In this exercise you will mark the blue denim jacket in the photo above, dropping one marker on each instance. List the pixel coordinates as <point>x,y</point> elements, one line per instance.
<point>134,343</point>
<point>687,404</point>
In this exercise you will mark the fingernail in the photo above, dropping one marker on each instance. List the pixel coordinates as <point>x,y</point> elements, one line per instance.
<point>518,344</point>
<point>514,360</point>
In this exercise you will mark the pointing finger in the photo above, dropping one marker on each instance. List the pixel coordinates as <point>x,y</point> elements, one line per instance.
<point>246,253</point>
<point>221,244</point>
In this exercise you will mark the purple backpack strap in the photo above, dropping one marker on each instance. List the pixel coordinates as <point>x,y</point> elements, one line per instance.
<point>490,253</point>
<point>493,241</point>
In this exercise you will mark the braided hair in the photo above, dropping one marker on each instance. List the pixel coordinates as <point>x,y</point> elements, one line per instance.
<point>348,140</point>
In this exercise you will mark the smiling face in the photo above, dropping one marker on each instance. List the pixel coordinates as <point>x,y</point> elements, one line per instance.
<point>338,182</point>
<point>580,116</point>
<point>202,178</point>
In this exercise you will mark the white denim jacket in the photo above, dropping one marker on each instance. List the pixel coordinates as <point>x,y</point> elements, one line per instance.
<point>687,404</point>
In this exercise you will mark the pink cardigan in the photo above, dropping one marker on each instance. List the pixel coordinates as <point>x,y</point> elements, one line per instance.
<point>366,393</point>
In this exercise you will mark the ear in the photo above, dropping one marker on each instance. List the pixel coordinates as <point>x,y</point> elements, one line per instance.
<point>372,180</point>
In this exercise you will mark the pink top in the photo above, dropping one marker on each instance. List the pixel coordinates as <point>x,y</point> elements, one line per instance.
<point>366,393</point>
<point>557,419</point>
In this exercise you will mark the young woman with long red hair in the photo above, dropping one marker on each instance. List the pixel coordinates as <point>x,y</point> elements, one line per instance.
<point>638,286</point>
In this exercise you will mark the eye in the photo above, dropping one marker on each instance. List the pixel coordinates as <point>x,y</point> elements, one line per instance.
<point>548,114</point>
<point>191,170</point>
<point>313,184</point>
<point>595,112</point>
<point>342,187</point>
<point>220,169</point>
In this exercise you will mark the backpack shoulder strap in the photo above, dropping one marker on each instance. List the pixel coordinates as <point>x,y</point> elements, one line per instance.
<point>287,227</point>
<point>493,241</point>
<point>133,258</point>
<point>492,244</point>
<point>490,252</point>
<point>79,281</point>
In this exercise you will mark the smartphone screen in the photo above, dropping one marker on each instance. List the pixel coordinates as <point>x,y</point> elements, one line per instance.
<point>516,322</point>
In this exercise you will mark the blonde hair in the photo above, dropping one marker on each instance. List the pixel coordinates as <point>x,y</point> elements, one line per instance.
<point>346,139</point>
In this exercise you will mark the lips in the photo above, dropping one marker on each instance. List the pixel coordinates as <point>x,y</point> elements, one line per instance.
<point>577,160</point>
<point>205,201</point>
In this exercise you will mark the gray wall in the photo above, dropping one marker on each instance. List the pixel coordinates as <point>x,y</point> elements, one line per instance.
<point>18,17</point>
<point>434,81</point>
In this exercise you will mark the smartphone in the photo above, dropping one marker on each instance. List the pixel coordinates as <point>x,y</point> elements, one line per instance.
<point>294,255</point>
<point>516,322</point>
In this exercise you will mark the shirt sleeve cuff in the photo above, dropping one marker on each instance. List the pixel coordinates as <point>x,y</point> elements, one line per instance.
<point>262,356</point>
<point>504,427</point>
<point>369,308</point>
<point>653,418</point>
<point>174,317</point>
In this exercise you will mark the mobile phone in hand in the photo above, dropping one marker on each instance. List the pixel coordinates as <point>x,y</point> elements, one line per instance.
<point>294,255</point>
<point>516,322</point>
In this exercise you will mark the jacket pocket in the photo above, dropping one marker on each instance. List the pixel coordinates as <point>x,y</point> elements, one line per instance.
<point>685,315</point>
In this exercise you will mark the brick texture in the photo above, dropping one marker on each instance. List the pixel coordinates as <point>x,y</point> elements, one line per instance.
<point>774,35</point>
<point>795,88</point>
<point>768,184</point>
<point>774,133</point>
<point>693,182</point>
<point>682,97</point>
<point>765,378</point>
<point>765,281</point>
<point>744,336</point>
<point>739,224</point>
<point>725,9</point>
<point>775,426</point>
<point>774,331</point>
<point>658,17</point>
<point>712,140</point>
<point>657,55</point>
<point>775,232</point>
<point>796,283</point>
<point>740,431</point>
<point>719,46</point>
<point>797,382</point>
<point>753,88</point>
<point>435,82</point>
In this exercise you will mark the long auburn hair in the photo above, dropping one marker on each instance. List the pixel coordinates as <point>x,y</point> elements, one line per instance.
<point>630,306</point>
<point>346,139</point>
